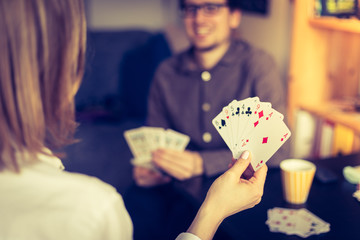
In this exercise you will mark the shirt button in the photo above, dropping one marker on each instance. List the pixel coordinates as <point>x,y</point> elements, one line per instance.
<point>205,76</point>
<point>207,137</point>
<point>206,107</point>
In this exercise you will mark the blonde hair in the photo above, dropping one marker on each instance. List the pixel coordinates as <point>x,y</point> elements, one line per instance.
<point>42,46</point>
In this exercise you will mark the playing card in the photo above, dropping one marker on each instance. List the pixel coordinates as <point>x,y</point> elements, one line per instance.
<point>252,125</point>
<point>300,222</point>
<point>261,112</point>
<point>138,143</point>
<point>263,115</point>
<point>282,220</point>
<point>226,114</point>
<point>246,112</point>
<point>310,224</point>
<point>143,141</point>
<point>234,112</point>
<point>176,140</point>
<point>222,125</point>
<point>264,141</point>
<point>155,137</point>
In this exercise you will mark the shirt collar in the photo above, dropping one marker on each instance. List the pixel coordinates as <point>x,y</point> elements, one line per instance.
<point>187,61</point>
<point>46,157</point>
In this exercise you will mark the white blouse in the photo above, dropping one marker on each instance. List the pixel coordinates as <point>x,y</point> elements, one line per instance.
<point>44,202</point>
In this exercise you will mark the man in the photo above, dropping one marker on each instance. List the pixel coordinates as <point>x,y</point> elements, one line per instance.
<point>191,88</point>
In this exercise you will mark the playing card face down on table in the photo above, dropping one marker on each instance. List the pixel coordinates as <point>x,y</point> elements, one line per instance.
<point>299,222</point>
<point>252,125</point>
<point>143,141</point>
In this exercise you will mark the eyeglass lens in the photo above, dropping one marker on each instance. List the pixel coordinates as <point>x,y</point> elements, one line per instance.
<point>207,9</point>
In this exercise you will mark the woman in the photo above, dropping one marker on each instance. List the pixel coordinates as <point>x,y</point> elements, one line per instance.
<point>42,47</point>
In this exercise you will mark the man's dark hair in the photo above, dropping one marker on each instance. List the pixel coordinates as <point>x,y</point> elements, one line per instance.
<point>233,4</point>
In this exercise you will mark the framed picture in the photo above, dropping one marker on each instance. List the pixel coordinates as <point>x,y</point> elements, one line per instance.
<point>255,6</point>
<point>337,8</point>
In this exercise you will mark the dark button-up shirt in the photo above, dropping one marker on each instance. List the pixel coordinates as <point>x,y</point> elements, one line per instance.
<point>185,99</point>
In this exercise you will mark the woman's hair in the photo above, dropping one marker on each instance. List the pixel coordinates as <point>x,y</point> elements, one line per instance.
<point>42,46</point>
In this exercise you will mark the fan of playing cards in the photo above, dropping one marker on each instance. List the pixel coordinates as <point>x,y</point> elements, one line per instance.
<point>143,140</point>
<point>300,222</point>
<point>252,125</point>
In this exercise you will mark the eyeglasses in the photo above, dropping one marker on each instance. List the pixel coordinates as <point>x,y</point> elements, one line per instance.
<point>208,9</point>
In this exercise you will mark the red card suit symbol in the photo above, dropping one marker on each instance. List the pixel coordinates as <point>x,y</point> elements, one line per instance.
<point>254,120</point>
<point>261,114</point>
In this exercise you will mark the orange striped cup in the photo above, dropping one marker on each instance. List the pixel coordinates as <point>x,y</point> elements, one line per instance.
<point>297,176</point>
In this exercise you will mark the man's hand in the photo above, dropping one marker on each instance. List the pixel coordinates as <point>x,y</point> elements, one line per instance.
<point>179,164</point>
<point>146,177</point>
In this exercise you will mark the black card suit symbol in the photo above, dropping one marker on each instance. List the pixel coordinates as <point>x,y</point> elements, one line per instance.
<point>248,112</point>
<point>223,123</point>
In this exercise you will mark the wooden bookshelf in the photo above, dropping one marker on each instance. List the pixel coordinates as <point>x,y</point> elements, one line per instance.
<point>336,113</point>
<point>332,23</point>
<point>324,66</point>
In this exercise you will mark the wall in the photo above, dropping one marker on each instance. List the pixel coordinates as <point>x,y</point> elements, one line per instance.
<point>130,14</point>
<point>270,32</point>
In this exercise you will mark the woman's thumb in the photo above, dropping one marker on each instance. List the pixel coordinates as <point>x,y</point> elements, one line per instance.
<point>242,163</point>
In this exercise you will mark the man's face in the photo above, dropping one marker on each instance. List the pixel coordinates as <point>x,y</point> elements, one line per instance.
<point>210,26</point>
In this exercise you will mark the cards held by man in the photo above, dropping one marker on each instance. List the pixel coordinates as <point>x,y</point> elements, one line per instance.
<point>143,141</point>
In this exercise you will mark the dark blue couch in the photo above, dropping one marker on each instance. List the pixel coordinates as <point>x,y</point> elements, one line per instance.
<point>112,98</point>
<point>119,70</point>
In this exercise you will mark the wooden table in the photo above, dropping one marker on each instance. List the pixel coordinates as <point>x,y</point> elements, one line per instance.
<point>333,202</point>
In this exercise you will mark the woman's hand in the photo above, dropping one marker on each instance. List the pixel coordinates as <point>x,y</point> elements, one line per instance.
<point>228,195</point>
